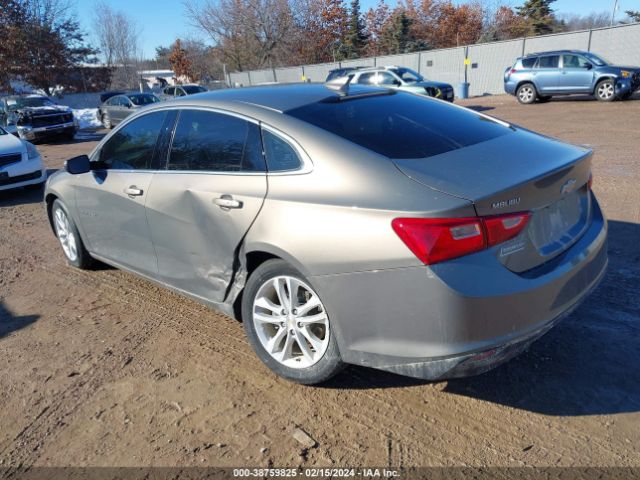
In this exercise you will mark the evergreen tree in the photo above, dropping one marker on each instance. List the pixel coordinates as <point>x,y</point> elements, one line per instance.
<point>396,37</point>
<point>634,15</point>
<point>539,15</point>
<point>356,36</point>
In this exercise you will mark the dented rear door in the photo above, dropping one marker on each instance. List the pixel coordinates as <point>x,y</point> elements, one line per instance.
<point>203,204</point>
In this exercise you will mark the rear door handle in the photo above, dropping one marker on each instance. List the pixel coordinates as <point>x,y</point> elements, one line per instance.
<point>227,201</point>
<point>133,191</point>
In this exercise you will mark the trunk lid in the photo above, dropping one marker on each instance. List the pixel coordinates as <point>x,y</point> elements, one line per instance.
<point>518,172</point>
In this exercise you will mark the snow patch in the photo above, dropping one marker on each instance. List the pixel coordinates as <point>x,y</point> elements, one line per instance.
<point>88,118</point>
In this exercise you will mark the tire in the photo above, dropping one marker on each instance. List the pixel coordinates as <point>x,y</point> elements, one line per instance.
<point>69,238</point>
<point>303,352</point>
<point>106,121</point>
<point>544,99</point>
<point>526,93</point>
<point>606,90</point>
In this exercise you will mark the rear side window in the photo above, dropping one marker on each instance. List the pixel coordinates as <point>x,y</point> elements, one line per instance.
<point>211,141</point>
<point>132,147</point>
<point>401,125</point>
<point>367,78</point>
<point>550,61</point>
<point>529,62</point>
<point>281,155</point>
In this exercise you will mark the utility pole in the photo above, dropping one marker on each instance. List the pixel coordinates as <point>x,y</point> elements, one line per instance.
<point>613,13</point>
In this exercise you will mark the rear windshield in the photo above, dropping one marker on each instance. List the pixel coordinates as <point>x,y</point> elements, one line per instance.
<point>401,125</point>
<point>191,89</point>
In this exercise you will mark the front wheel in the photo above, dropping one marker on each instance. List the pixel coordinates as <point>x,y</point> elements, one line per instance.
<point>288,326</point>
<point>526,93</point>
<point>69,237</point>
<point>605,90</point>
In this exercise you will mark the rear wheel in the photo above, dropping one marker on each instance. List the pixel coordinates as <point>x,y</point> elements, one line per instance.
<point>69,237</point>
<point>526,93</point>
<point>605,90</point>
<point>288,326</point>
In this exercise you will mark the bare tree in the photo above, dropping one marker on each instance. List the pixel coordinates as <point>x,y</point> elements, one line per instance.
<point>250,33</point>
<point>574,22</point>
<point>119,39</point>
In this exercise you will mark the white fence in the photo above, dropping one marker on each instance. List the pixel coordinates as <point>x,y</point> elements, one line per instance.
<point>619,44</point>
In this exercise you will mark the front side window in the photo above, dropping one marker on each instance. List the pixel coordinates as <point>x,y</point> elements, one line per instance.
<point>281,155</point>
<point>385,78</point>
<point>574,61</point>
<point>408,75</point>
<point>132,146</point>
<point>550,61</point>
<point>211,141</point>
<point>169,90</point>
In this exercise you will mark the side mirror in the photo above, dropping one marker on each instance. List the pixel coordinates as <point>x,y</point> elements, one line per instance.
<point>78,165</point>
<point>397,83</point>
<point>588,66</point>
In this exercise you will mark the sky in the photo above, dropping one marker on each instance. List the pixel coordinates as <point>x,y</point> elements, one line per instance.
<point>162,21</point>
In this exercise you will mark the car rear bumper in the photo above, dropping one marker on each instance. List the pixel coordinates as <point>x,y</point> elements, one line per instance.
<point>461,317</point>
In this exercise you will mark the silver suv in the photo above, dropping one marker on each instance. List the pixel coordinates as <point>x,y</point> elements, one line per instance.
<point>400,78</point>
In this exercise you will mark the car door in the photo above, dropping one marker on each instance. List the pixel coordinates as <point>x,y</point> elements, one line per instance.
<point>546,73</point>
<point>576,74</point>
<point>119,108</point>
<point>201,207</point>
<point>110,198</point>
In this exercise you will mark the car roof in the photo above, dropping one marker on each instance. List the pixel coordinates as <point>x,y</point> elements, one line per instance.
<point>278,98</point>
<point>553,52</point>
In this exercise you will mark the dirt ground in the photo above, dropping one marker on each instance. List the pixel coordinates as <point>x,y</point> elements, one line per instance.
<point>101,368</point>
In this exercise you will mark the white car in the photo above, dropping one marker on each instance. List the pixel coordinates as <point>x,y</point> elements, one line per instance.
<point>20,163</point>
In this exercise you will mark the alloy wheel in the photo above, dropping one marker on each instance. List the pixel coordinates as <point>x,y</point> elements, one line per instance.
<point>606,90</point>
<point>291,322</point>
<point>526,94</point>
<point>65,235</point>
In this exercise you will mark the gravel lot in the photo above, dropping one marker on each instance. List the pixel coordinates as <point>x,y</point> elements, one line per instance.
<point>101,368</point>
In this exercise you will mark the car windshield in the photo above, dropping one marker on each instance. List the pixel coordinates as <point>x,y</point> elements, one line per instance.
<point>599,61</point>
<point>17,103</point>
<point>408,75</point>
<point>191,89</point>
<point>401,125</point>
<point>143,99</point>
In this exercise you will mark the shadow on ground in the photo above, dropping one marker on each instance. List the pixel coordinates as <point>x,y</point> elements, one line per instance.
<point>10,323</point>
<point>587,365</point>
<point>24,195</point>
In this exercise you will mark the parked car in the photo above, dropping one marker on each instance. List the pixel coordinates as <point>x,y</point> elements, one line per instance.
<point>35,117</point>
<point>540,76</point>
<point>352,225</point>
<point>20,163</point>
<point>107,95</point>
<point>119,107</point>
<point>400,78</point>
<point>169,93</point>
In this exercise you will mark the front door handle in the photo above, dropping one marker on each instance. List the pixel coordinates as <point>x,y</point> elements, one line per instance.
<point>227,201</point>
<point>133,191</point>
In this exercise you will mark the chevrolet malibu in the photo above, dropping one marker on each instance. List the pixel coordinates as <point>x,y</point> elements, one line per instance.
<point>349,225</point>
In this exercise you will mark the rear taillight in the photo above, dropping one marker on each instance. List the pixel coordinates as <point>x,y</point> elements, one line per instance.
<point>435,240</point>
<point>512,71</point>
<point>501,228</point>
